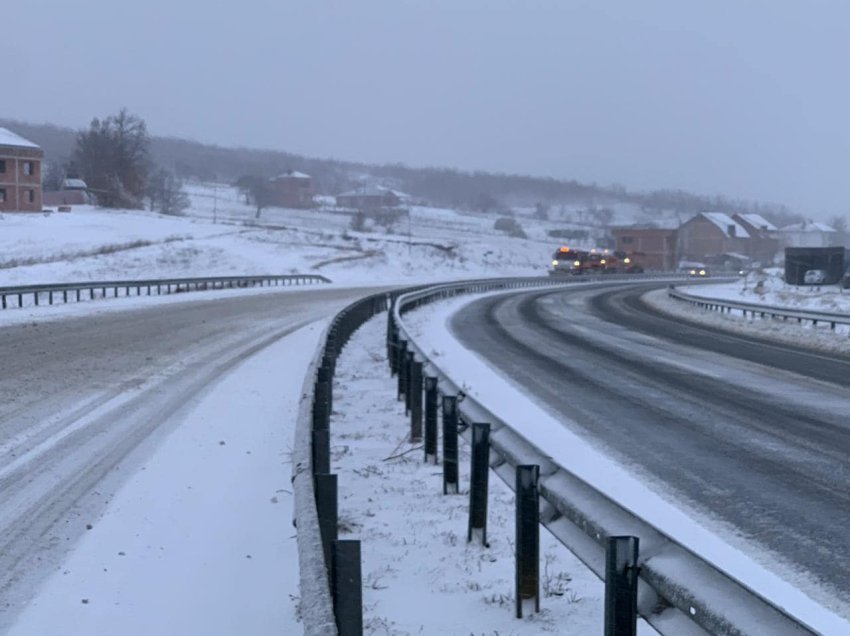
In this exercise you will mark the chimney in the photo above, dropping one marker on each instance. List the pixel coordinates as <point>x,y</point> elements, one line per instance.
<point>732,230</point>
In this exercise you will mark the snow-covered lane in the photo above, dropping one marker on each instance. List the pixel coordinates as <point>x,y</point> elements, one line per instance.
<point>85,401</point>
<point>199,539</point>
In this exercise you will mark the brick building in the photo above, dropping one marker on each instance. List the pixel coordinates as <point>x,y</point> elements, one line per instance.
<point>292,190</point>
<point>20,173</point>
<point>657,246</point>
<point>763,245</point>
<point>709,235</point>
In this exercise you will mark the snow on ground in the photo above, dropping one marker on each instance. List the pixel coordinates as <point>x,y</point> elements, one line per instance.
<point>768,288</point>
<point>821,336</point>
<point>554,432</point>
<point>420,576</point>
<point>200,540</point>
<point>95,244</point>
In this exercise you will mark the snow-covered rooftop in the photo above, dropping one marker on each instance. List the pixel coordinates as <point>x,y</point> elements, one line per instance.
<point>808,226</point>
<point>74,184</point>
<point>8,138</point>
<point>293,174</point>
<point>724,222</point>
<point>758,221</point>
<point>373,191</point>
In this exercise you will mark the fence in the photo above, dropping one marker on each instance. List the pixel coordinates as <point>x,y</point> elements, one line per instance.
<point>100,289</point>
<point>672,588</point>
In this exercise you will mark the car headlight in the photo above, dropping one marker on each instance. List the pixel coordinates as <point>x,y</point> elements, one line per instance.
<point>555,263</point>
<point>627,260</point>
<point>702,272</point>
<point>576,263</point>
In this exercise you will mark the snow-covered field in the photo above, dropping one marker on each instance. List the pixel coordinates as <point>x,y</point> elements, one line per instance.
<point>132,571</point>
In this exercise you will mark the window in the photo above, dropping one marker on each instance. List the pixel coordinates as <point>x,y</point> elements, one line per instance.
<point>30,196</point>
<point>28,168</point>
<point>2,166</point>
<point>2,195</point>
<point>628,240</point>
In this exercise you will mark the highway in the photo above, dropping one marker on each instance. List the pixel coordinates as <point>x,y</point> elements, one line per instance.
<point>85,400</point>
<point>751,436</point>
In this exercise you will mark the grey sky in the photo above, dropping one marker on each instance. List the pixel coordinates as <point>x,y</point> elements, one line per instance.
<point>745,98</point>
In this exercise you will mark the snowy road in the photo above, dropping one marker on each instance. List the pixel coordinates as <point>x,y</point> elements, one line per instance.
<point>84,401</point>
<point>751,436</point>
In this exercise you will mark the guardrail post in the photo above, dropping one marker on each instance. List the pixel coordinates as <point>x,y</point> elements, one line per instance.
<point>326,508</point>
<point>392,342</point>
<point>401,366</point>
<point>347,587</point>
<point>478,481</point>
<point>621,577</point>
<point>321,411</point>
<point>527,539</point>
<point>408,380</point>
<point>325,380</point>
<point>321,450</point>
<point>431,419</point>
<point>415,401</point>
<point>450,460</point>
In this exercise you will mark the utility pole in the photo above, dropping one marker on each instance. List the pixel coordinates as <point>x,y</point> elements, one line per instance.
<point>409,239</point>
<point>215,203</point>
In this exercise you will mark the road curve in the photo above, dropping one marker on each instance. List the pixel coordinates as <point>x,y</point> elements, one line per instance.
<point>84,400</point>
<point>752,436</point>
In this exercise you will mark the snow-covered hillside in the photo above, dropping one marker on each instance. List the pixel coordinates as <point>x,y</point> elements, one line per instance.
<point>220,235</point>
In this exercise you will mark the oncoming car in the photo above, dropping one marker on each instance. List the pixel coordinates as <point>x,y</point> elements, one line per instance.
<point>698,272</point>
<point>814,277</point>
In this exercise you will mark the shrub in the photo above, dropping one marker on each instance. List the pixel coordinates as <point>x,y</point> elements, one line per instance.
<point>509,226</point>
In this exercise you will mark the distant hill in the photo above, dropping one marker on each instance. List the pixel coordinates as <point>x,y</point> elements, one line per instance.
<point>441,186</point>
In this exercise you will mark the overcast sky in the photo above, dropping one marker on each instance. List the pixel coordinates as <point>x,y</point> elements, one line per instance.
<point>745,98</point>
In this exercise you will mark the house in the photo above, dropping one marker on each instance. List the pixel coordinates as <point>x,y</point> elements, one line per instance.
<point>763,245</point>
<point>291,189</point>
<point>709,235</point>
<point>20,173</point>
<point>73,192</point>
<point>656,244</point>
<point>808,234</point>
<point>370,198</point>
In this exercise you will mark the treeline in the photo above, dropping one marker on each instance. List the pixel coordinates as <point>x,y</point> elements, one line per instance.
<point>484,191</point>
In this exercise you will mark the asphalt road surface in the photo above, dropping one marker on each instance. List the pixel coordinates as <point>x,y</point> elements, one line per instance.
<point>753,436</point>
<point>85,400</point>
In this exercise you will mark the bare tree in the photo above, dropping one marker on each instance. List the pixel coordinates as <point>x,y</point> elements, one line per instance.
<point>54,175</point>
<point>165,193</point>
<point>112,157</point>
<point>839,224</point>
<point>257,190</point>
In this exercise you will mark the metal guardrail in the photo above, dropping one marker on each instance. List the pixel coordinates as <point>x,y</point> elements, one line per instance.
<point>762,311</point>
<point>337,564</point>
<point>678,592</point>
<point>100,289</point>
